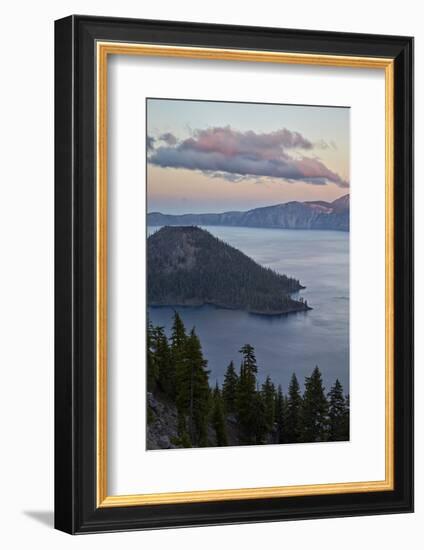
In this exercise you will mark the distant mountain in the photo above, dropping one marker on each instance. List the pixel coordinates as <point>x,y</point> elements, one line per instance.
<point>341,204</point>
<point>290,215</point>
<point>190,267</point>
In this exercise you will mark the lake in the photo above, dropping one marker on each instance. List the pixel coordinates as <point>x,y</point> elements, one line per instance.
<point>284,344</point>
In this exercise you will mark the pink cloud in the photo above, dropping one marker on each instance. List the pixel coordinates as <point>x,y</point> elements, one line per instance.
<point>231,152</point>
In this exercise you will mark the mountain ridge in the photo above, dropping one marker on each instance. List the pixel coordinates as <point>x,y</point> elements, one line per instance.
<point>290,215</point>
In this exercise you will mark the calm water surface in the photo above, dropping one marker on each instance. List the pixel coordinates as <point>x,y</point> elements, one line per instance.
<point>284,344</point>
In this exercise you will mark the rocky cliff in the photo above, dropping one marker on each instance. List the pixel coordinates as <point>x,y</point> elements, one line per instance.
<point>162,432</point>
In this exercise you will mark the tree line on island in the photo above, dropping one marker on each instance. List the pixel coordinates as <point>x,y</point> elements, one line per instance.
<point>188,266</point>
<point>241,411</point>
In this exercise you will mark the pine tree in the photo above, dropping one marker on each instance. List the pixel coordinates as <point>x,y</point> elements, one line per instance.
<point>229,389</point>
<point>249,359</point>
<point>178,369</point>
<point>268,395</point>
<point>218,419</point>
<point>246,392</point>
<point>280,415</point>
<point>314,409</point>
<point>152,370</point>
<point>336,413</point>
<point>346,420</point>
<point>258,427</point>
<point>294,409</point>
<point>164,364</point>
<point>193,398</point>
<point>178,335</point>
<point>182,379</point>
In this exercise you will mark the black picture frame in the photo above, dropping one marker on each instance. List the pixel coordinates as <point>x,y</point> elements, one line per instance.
<point>76,510</point>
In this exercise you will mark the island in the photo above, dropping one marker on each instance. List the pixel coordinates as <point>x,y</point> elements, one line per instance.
<point>188,266</point>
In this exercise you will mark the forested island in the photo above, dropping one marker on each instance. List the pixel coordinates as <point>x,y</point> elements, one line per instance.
<point>184,410</point>
<point>187,266</point>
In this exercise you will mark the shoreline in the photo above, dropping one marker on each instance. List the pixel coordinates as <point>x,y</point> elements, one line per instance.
<point>278,313</point>
<point>273,227</point>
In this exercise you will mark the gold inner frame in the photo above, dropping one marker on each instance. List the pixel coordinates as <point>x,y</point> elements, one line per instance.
<point>103,50</point>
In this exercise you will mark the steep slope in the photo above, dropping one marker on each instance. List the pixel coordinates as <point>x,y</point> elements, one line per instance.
<point>189,266</point>
<point>162,425</point>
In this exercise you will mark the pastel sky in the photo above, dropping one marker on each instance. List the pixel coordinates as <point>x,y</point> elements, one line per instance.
<point>205,156</point>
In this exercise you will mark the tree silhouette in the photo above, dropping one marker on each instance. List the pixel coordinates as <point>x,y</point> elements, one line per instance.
<point>268,396</point>
<point>337,413</point>
<point>242,412</point>
<point>165,367</point>
<point>193,391</point>
<point>152,374</point>
<point>246,393</point>
<point>294,407</point>
<point>218,418</point>
<point>280,415</point>
<point>314,409</point>
<point>229,388</point>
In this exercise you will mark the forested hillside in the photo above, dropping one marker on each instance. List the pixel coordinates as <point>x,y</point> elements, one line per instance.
<point>185,410</point>
<point>189,266</point>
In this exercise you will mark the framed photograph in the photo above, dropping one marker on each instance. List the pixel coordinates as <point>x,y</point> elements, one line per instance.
<point>234,269</point>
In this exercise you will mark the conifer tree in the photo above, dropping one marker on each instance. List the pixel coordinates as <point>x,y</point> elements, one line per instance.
<point>164,365</point>
<point>280,415</point>
<point>314,409</point>
<point>294,409</point>
<point>246,391</point>
<point>249,359</point>
<point>182,379</point>
<point>258,427</point>
<point>193,391</point>
<point>178,335</point>
<point>336,413</point>
<point>346,420</point>
<point>152,374</point>
<point>268,396</point>
<point>229,389</point>
<point>178,368</point>
<point>218,419</point>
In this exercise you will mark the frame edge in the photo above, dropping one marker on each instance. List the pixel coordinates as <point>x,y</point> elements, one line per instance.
<point>64,449</point>
<point>69,493</point>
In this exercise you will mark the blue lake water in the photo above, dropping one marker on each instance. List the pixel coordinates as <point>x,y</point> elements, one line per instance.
<point>284,344</point>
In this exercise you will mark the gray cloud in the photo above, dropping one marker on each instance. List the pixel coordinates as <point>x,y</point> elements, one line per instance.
<point>168,138</point>
<point>150,143</point>
<point>236,154</point>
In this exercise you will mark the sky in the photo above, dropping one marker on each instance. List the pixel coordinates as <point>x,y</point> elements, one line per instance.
<point>206,156</point>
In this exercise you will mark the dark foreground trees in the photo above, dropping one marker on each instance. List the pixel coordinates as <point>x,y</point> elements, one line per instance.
<point>229,388</point>
<point>292,432</point>
<point>256,413</point>
<point>338,413</point>
<point>314,415</point>
<point>218,418</point>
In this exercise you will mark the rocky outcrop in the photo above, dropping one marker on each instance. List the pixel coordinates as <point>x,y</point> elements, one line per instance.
<point>162,430</point>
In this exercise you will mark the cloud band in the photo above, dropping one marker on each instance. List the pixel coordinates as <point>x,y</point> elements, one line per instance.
<point>279,154</point>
